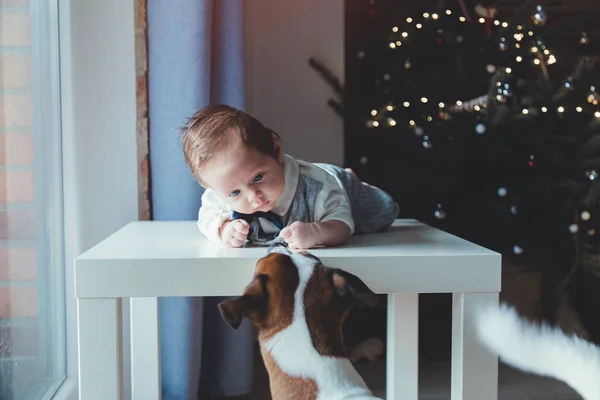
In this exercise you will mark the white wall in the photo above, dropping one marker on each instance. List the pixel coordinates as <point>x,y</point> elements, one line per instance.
<point>283,91</point>
<point>98,95</point>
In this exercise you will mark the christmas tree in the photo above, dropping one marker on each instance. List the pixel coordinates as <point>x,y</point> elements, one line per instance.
<point>507,144</point>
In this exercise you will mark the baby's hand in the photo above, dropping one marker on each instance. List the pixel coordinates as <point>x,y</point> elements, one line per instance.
<point>300,235</point>
<point>234,233</point>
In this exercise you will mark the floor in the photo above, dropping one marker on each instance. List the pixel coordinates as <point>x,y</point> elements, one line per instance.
<point>434,383</point>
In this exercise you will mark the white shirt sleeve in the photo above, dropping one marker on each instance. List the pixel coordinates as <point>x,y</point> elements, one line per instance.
<point>212,214</point>
<point>333,204</point>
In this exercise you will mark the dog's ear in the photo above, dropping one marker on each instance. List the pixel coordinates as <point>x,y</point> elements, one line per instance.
<point>249,305</point>
<point>349,285</point>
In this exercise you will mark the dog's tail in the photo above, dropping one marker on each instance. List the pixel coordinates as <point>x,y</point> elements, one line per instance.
<point>541,349</point>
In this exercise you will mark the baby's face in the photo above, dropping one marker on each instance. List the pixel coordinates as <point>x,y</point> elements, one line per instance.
<point>246,179</point>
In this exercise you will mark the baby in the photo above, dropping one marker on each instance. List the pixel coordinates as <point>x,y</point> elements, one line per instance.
<point>256,192</point>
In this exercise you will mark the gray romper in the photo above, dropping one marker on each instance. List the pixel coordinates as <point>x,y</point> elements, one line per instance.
<point>373,209</point>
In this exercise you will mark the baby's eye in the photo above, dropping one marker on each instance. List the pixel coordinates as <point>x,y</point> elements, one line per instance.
<point>234,193</point>
<point>258,178</point>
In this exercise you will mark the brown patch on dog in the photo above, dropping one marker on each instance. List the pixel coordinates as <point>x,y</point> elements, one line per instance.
<point>287,387</point>
<point>325,313</point>
<point>268,301</point>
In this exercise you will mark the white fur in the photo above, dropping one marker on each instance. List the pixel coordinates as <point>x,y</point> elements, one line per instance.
<point>542,350</point>
<point>294,353</point>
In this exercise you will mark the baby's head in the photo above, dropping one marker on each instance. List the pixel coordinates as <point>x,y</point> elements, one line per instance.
<point>235,155</point>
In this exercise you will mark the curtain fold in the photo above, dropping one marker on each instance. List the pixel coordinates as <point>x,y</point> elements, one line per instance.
<point>195,58</point>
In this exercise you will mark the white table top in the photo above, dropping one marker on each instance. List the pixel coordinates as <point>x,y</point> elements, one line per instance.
<point>156,259</point>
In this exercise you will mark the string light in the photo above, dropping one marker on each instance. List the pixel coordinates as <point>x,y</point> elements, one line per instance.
<point>597,114</point>
<point>540,48</point>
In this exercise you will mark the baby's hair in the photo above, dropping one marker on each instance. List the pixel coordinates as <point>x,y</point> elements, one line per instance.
<point>215,126</point>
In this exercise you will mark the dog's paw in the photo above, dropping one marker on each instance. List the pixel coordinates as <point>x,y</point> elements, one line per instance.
<point>369,349</point>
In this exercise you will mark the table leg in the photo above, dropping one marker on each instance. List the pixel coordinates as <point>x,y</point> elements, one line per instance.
<point>100,349</point>
<point>145,349</point>
<point>402,370</point>
<point>474,368</point>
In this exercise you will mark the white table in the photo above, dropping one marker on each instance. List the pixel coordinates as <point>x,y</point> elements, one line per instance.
<point>146,260</point>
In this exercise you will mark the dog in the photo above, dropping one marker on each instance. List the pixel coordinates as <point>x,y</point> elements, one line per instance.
<point>298,306</point>
<point>541,349</point>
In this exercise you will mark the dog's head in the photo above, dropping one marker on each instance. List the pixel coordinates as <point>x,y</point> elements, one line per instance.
<point>283,279</point>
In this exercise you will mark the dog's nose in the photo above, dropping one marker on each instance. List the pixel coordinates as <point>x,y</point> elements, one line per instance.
<point>278,247</point>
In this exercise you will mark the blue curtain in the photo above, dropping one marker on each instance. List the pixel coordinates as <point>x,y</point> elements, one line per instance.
<point>195,56</point>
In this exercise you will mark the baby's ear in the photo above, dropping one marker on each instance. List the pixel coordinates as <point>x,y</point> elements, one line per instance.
<point>278,146</point>
<point>251,304</point>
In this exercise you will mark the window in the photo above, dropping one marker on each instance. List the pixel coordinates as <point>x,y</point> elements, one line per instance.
<point>32,316</point>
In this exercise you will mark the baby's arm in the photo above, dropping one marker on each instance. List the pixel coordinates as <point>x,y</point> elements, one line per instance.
<point>334,223</point>
<point>214,221</point>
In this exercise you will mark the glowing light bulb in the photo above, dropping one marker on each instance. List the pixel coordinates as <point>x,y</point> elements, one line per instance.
<point>441,105</point>
<point>519,58</point>
<point>481,20</point>
<point>459,103</point>
<point>425,15</point>
<point>597,114</point>
<point>561,109</point>
<point>525,111</point>
<point>389,108</point>
<point>477,108</point>
<point>434,16</point>
<point>505,24</point>
<point>409,20</point>
<point>392,45</point>
<point>508,70</point>
<point>462,19</point>
<point>391,122</point>
<point>411,122</point>
<point>404,34</point>
<point>534,49</point>
<point>448,12</point>
<point>375,124</point>
<point>424,99</point>
<point>395,29</point>
<point>579,109</point>
<point>496,22</point>
<point>418,26</point>
<point>544,109</point>
<point>406,104</point>
<point>536,61</point>
<point>373,112</point>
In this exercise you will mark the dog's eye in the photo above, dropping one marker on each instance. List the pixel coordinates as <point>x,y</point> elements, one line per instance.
<point>263,283</point>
